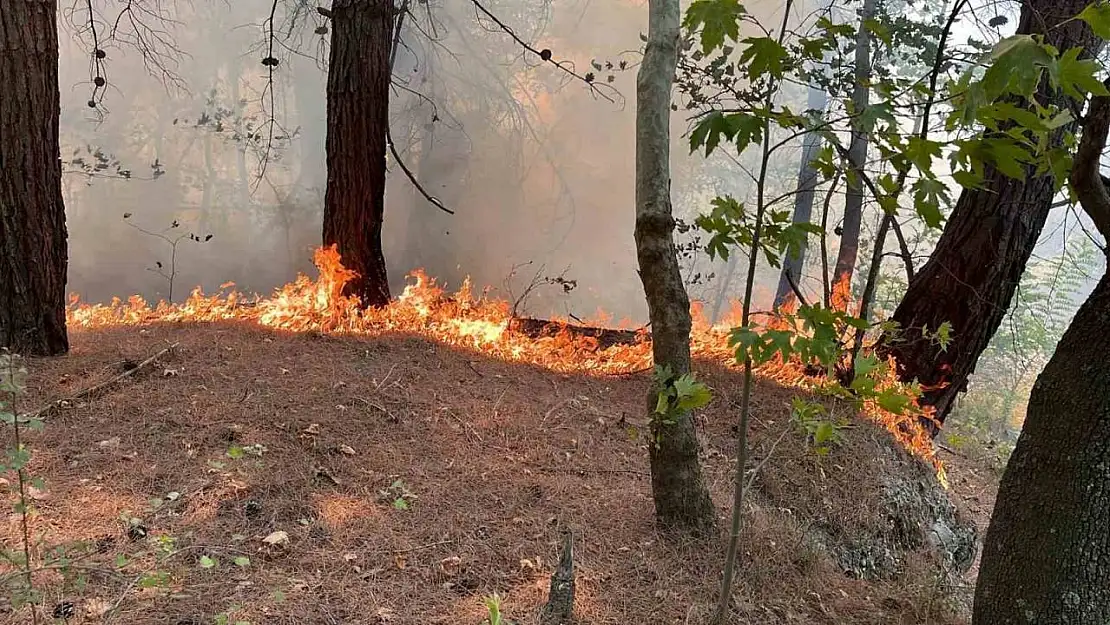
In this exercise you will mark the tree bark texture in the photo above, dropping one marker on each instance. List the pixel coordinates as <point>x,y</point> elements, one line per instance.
<point>33,254</point>
<point>970,279</point>
<point>792,265</point>
<point>857,154</point>
<point>358,117</point>
<point>1046,558</point>
<point>681,499</point>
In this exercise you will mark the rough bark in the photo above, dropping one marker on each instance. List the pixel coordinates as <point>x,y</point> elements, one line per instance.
<point>1046,558</point>
<point>358,117</point>
<point>681,499</point>
<point>33,253</point>
<point>971,277</point>
<point>857,154</point>
<point>803,200</point>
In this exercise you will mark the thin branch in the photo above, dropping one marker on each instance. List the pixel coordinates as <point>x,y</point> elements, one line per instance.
<point>1085,178</point>
<point>49,409</point>
<point>545,54</point>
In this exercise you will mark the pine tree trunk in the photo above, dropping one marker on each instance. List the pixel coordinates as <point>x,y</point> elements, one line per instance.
<point>681,499</point>
<point>971,277</point>
<point>33,252</point>
<point>857,154</point>
<point>1046,558</point>
<point>358,117</point>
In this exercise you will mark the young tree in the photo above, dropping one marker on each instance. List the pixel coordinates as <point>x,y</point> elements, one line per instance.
<point>792,264</point>
<point>33,251</point>
<point>681,498</point>
<point>1046,558</point>
<point>857,152</point>
<point>971,277</point>
<point>358,122</point>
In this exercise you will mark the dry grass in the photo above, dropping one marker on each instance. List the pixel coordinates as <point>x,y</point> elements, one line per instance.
<point>500,457</point>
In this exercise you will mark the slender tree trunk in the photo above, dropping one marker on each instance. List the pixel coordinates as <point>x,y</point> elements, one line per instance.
<point>33,254</point>
<point>817,100</point>
<point>971,277</point>
<point>803,201</point>
<point>358,116</point>
<point>857,154</point>
<point>681,498</point>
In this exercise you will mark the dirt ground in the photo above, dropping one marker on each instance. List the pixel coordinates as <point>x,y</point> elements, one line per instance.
<point>403,481</point>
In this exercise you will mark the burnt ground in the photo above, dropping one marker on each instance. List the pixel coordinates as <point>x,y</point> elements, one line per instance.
<point>411,480</point>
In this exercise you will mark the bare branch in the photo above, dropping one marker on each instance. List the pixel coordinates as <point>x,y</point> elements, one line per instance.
<point>1085,177</point>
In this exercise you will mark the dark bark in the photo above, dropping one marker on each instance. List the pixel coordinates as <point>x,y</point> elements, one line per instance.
<point>33,254</point>
<point>974,271</point>
<point>681,498</point>
<point>1046,558</point>
<point>358,118</point>
<point>605,337</point>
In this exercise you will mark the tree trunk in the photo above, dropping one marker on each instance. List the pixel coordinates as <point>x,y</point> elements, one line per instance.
<point>33,253</point>
<point>358,116</point>
<point>817,100</point>
<point>1046,558</point>
<point>971,277</point>
<point>857,154</point>
<point>803,201</point>
<point>681,499</point>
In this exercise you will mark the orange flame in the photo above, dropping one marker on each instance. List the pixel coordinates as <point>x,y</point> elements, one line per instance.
<point>481,324</point>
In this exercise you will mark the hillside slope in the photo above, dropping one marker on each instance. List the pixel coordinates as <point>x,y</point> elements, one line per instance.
<point>413,478</point>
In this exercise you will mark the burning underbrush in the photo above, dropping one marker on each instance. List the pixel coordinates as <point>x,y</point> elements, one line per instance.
<point>253,474</point>
<point>463,320</point>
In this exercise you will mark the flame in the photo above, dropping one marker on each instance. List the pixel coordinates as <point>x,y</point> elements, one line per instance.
<point>482,324</point>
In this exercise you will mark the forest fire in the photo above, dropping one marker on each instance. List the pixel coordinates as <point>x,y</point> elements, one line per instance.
<point>482,324</point>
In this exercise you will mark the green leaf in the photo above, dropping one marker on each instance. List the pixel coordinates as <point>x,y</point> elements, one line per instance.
<point>718,20</point>
<point>207,562</point>
<point>235,452</point>
<point>928,196</point>
<point>764,56</point>
<point>1097,15</point>
<point>400,504</point>
<point>691,393</point>
<point>242,561</point>
<point>1077,77</point>
<point>121,560</point>
<point>893,401</point>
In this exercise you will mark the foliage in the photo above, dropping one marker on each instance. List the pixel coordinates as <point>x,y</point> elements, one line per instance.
<point>493,609</point>
<point>1041,311</point>
<point>813,420</point>
<point>677,395</point>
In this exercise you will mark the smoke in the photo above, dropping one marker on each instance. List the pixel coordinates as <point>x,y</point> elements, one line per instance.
<point>538,167</point>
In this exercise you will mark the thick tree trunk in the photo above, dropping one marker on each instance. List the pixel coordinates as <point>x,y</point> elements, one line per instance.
<point>33,253</point>
<point>857,154</point>
<point>971,277</point>
<point>681,498</point>
<point>358,117</point>
<point>1046,559</point>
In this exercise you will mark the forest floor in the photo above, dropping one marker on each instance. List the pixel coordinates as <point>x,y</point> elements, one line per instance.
<point>403,480</point>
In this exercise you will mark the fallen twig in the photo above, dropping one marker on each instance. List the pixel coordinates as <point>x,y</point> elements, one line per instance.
<point>48,409</point>
<point>770,452</point>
